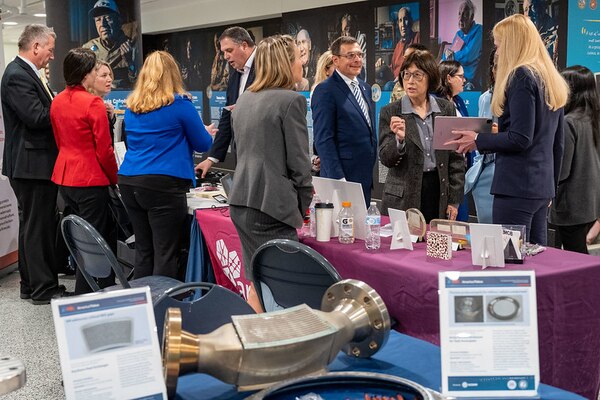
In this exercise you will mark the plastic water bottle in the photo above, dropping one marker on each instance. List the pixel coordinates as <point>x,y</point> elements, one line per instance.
<point>313,215</point>
<point>373,224</point>
<point>346,221</point>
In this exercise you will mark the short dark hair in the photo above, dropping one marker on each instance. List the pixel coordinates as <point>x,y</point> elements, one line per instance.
<point>238,35</point>
<point>424,61</point>
<point>78,63</point>
<point>336,46</point>
<point>447,68</point>
<point>417,46</point>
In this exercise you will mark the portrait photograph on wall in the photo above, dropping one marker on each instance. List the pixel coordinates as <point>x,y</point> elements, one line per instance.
<point>543,13</point>
<point>460,36</point>
<point>396,28</point>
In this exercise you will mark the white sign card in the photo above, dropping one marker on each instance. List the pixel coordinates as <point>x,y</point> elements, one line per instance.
<point>401,238</point>
<point>487,247</point>
<point>108,346</point>
<point>489,334</point>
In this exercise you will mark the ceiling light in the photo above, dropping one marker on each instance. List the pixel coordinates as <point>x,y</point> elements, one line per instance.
<point>40,15</point>
<point>11,23</point>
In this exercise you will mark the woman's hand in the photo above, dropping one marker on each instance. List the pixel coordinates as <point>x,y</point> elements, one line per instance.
<point>465,141</point>
<point>451,212</point>
<point>398,126</point>
<point>593,233</point>
<point>110,109</point>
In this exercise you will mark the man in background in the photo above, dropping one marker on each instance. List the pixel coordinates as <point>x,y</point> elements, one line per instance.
<point>238,49</point>
<point>305,46</point>
<point>344,119</point>
<point>29,155</point>
<point>466,45</point>
<point>112,44</point>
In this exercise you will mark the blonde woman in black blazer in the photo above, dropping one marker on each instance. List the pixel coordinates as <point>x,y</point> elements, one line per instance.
<point>272,184</point>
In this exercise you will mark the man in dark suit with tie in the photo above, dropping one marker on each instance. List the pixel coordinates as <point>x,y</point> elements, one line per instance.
<point>238,47</point>
<point>29,155</point>
<point>344,119</point>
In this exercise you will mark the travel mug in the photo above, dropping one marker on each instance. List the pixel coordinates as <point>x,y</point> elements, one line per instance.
<point>324,213</point>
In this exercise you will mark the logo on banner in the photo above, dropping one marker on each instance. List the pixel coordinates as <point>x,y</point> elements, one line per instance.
<point>232,266</point>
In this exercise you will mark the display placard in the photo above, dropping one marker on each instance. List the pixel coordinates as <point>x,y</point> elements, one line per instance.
<point>108,346</point>
<point>488,334</point>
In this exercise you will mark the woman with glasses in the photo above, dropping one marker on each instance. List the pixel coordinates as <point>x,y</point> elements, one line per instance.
<point>419,176</point>
<point>528,98</point>
<point>452,77</point>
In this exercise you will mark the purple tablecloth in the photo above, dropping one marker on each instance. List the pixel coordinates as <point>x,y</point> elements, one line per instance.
<point>568,297</point>
<point>568,294</point>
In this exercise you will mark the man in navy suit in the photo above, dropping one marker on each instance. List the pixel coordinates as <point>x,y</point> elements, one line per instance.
<point>29,155</point>
<point>344,119</point>
<point>238,47</point>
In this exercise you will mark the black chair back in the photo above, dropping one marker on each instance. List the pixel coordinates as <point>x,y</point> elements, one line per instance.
<point>295,273</point>
<point>93,256</point>
<point>204,314</point>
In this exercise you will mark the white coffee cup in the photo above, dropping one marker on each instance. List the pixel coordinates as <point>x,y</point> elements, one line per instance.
<point>324,212</point>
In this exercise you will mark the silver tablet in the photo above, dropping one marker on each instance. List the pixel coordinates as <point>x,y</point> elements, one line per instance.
<point>443,127</point>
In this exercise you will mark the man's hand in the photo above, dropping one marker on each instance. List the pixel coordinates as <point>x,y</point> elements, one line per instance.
<point>204,166</point>
<point>465,141</point>
<point>398,126</point>
<point>212,131</point>
<point>126,51</point>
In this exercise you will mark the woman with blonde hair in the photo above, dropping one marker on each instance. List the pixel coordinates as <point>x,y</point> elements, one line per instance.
<point>325,68</point>
<point>272,185</point>
<point>163,130</point>
<point>528,98</point>
<point>102,86</point>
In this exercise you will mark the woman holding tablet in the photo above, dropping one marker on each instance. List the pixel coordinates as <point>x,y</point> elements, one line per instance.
<point>528,98</point>
<point>419,176</point>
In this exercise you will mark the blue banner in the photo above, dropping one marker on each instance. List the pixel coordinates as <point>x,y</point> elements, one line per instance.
<point>583,44</point>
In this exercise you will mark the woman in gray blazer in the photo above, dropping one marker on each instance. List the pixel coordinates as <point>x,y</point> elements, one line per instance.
<point>272,184</point>
<point>577,203</point>
<point>419,176</point>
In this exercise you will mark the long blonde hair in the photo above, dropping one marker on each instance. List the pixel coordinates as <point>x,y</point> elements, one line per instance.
<point>522,46</point>
<point>274,58</point>
<point>159,81</point>
<point>324,62</point>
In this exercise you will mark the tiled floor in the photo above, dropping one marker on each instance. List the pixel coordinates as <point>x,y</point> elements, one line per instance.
<point>27,333</point>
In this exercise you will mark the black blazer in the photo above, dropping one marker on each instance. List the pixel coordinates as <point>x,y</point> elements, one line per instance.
<point>29,147</point>
<point>225,134</point>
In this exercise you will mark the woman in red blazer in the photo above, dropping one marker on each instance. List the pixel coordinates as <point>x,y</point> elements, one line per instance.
<point>86,166</point>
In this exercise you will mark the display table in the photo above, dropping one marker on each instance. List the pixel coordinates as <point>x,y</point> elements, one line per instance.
<point>568,294</point>
<point>402,356</point>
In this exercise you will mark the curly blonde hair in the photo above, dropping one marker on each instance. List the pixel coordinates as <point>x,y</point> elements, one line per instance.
<point>158,83</point>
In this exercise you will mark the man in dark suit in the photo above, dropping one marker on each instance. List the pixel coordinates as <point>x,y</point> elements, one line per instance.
<point>344,119</point>
<point>29,155</point>
<point>238,47</point>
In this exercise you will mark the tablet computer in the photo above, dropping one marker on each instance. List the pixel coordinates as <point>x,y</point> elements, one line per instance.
<point>443,127</point>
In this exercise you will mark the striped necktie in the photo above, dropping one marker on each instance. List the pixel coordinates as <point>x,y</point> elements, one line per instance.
<point>361,101</point>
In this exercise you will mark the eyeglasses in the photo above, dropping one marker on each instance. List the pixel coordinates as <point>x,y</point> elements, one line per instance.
<point>461,76</point>
<point>352,56</point>
<point>406,75</point>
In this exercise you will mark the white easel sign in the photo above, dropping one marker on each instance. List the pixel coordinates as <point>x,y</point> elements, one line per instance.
<point>108,346</point>
<point>488,334</point>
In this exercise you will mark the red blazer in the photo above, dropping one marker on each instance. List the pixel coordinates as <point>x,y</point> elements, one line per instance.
<point>85,153</point>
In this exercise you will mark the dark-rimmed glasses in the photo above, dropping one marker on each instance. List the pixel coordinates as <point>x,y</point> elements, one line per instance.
<point>406,75</point>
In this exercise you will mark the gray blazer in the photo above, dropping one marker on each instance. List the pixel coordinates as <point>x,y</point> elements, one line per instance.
<point>578,196</point>
<point>273,167</point>
<point>402,189</point>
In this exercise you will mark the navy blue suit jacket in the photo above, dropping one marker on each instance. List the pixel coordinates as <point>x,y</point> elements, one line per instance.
<point>530,142</point>
<point>345,142</point>
<point>225,134</point>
